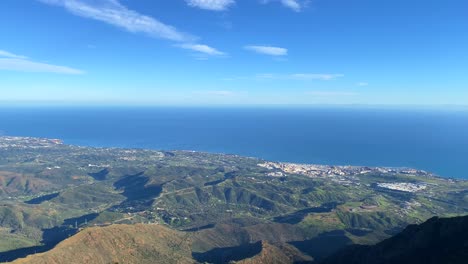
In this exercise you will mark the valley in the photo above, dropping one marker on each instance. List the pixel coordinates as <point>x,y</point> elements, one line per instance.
<point>216,204</point>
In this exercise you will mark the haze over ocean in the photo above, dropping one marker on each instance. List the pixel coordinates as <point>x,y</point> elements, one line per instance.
<point>432,140</point>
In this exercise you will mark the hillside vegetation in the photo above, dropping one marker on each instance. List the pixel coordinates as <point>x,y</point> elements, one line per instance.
<point>439,240</point>
<point>119,244</point>
<point>50,191</point>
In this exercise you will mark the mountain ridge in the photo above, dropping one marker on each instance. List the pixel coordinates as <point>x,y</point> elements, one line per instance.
<point>438,240</point>
<point>137,243</point>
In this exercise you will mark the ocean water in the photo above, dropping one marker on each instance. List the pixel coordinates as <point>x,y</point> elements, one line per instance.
<point>432,140</point>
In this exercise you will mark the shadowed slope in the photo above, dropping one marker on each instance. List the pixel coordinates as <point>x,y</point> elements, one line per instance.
<point>438,240</point>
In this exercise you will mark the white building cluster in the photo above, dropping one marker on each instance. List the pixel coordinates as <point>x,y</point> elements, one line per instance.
<point>403,186</point>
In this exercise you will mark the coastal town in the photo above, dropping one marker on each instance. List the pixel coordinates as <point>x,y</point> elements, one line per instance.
<point>312,170</point>
<point>28,142</point>
<point>346,175</point>
<point>343,175</point>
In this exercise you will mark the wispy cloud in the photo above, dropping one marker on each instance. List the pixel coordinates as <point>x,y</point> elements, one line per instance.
<point>7,54</point>
<point>224,93</point>
<point>330,93</point>
<point>268,50</point>
<point>201,48</point>
<point>315,76</point>
<point>294,5</point>
<point>301,76</point>
<point>214,5</point>
<point>268,76</point>
<point>114,13</point>
<point>362,84</point>
<point>13,62</point>
<point>291,76</point>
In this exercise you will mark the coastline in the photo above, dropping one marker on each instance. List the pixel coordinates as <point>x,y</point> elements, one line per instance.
<point>287,167</point>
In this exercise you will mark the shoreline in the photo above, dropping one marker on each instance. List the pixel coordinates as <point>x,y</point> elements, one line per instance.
<point>42,142</point>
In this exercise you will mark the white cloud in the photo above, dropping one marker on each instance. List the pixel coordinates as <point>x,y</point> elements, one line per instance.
<point>315,76</point>
<point>201,49</point>
<point>330,93</point>
<point>300,76</point>
<point>114,13</point>
<point>294,5</point>
<point>223,93</point>
<point>267,76</point>
<point>292,76</point>
<point>214,5</point>
<point>268,50</point>
<point>362,84</point>
<point>11,55</point>
<point>13,62</point>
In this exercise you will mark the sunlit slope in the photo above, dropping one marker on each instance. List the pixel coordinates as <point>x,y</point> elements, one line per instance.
<point>119,244</point>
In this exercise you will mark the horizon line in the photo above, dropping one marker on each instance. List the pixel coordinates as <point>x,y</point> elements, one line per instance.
<point>55,104</point>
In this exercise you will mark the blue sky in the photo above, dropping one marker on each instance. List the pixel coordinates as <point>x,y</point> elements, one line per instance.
<point>234,52</point>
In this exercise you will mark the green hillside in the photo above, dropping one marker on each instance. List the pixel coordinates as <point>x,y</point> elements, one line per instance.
<point>50,191</point>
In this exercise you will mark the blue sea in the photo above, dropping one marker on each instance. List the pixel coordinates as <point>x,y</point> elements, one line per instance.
<point>432,140</point>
